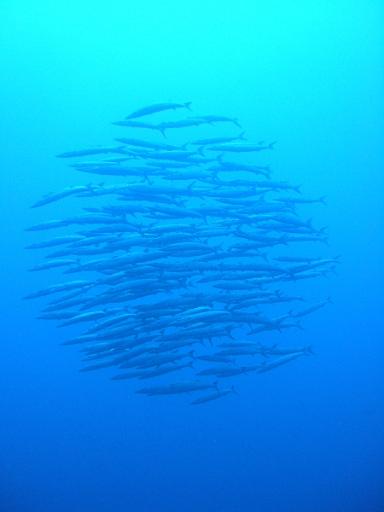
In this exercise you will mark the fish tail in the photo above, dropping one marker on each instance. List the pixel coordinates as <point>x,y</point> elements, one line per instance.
<point>201,151</point>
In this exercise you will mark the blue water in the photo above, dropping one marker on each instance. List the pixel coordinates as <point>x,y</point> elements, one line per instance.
<point>306,437</point>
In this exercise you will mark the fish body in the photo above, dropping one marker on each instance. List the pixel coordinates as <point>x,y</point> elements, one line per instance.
<point>267,366</point>
<point>91,151</point>
<point>241,148</point>
<point>176,388</point>
<point>213,396</point>
<point>158,107</point>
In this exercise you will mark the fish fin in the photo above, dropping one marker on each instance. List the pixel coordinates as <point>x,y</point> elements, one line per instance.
<point>267,172</point>
<point>162,131</point>
<point>200,151</point>
<point>229,332</point>
<point>188,104</point>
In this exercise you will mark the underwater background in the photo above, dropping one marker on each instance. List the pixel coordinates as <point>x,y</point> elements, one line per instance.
<point>307,436</point>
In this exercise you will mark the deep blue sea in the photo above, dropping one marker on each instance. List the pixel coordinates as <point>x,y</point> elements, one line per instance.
<point>305,437</point>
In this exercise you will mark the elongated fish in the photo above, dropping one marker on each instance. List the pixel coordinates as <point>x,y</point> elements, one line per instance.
<point>91,151</point>
<point>158,107</point>
<point>213,396</point>
<point>241,148</point>
<point>176,388</point>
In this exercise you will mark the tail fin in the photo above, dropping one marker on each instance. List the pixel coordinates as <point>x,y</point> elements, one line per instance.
<point>188,105</point>
<point>233,389</point>
<point>229,332</point>
<point>236,122</point>
<point>242,136</point>
<point>297,189</point>
<point>267,171</point>
<point>201,150</point>
<point>272,144</point>
<point>220,157</point>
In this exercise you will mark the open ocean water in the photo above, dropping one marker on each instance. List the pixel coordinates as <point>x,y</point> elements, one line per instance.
<point>305,75</point>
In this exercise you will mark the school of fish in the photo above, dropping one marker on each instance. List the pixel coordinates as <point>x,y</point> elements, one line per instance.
<point>175,268</point>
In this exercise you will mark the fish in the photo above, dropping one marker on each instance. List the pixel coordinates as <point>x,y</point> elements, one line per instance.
<point>62,287</point>
<point>182,123</point>
<point>241,148</point>
<point>267,366</point>
<point>218,140</point>
<point>213,396</point>
<point>311,309</point>
<point>52,264</point>
<point>138,124</point>
<point>91,151</point>
<point>176,388</point>
<point>158,107</point>
<point>147,144</point>
<point>51,198</point>
<point>219,119</point>
<point>59,240</point>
